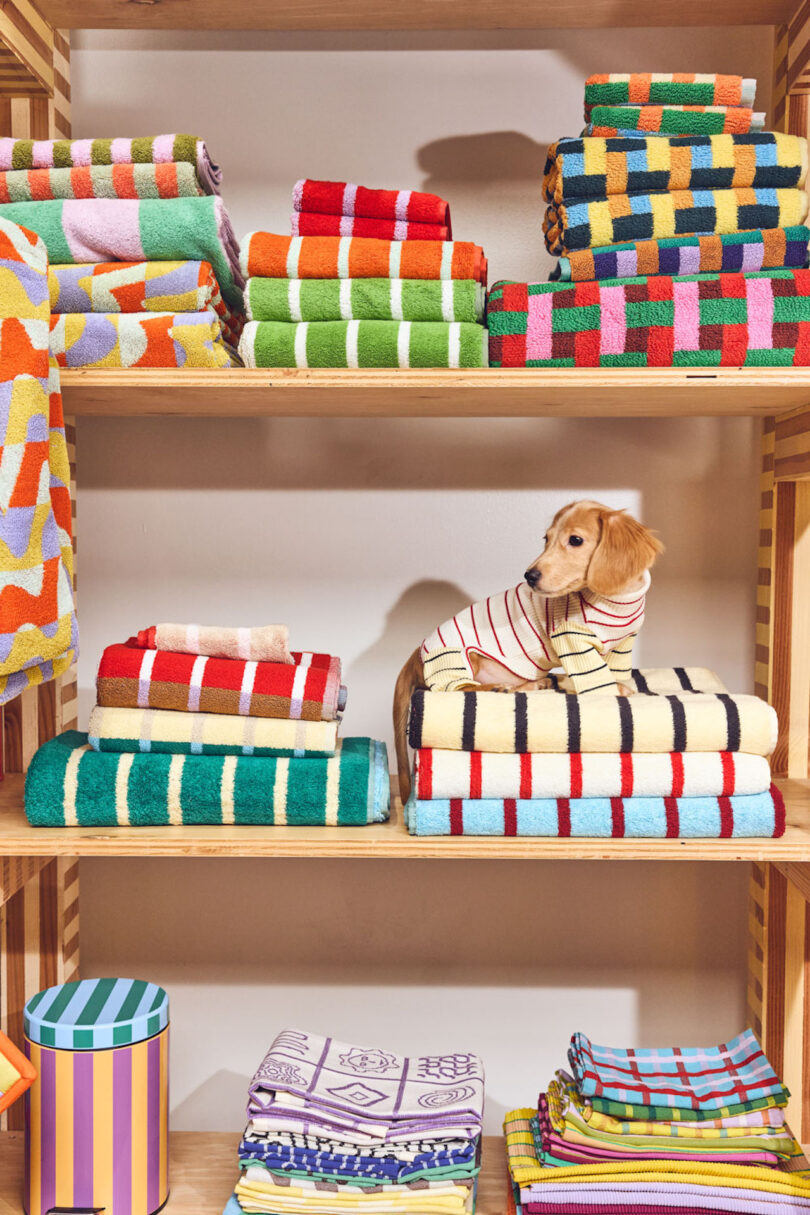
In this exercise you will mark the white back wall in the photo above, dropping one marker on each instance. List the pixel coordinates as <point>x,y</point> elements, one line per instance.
<point>364,535</point>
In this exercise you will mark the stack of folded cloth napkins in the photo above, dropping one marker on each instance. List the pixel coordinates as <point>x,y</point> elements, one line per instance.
<point>675,250</point>
<point>644,1132</point>
<point>334,1127</point>
<point>144,263</point>
<point>338,208</point>
<point>680,758</point>
<point>209,725</point>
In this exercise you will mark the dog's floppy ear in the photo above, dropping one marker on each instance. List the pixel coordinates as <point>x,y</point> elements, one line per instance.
<point>625,550</point>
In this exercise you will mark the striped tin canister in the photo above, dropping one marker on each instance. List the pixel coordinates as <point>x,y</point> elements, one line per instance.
<point>97,1117</point>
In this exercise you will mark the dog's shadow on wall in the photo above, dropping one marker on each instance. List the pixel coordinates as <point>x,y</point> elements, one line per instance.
<point>485,157</point>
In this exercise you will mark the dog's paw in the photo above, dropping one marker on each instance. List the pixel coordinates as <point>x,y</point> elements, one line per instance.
<point>623,690</point>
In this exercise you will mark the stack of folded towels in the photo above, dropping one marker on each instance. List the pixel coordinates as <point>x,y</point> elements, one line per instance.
<point>209,725</point>
<point>677,250</point>
<point>334,1127</point>
<point>339,208</point>
<point>681,758</point>
<point>144,265</point>
<point>644,1132</point>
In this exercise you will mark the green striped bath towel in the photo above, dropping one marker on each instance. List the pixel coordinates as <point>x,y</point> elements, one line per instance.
<point>363,344</point>
<point>364,299</point>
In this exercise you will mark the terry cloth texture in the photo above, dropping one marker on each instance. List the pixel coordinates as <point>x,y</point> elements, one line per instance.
<point>167,732</point>
<point>594,168</point>
<point>364,299</point>
<point>343,198</point>
<point>305,223</point>
<point>77,153</point>
<point>265,255</point>
<point>68,784</point>
<point>667,88</point>
<point>690,774</point>
<point>146,229</point>
<point>628,217</point>
<point>307,689</point>
<point>100,181</point>
<point>130,339</point>
<point>363,344</point>
<point>266,643</point>
<point>757,815</point>
<point>38,632</point>
<point>700,320</point>
<point>771,248</point>
<point>677,119</point>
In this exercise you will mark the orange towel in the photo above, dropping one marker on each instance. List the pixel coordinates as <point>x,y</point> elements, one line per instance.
<point>265,255</point>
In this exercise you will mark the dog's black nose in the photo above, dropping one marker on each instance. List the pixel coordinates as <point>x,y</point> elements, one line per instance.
<point>532,577</point>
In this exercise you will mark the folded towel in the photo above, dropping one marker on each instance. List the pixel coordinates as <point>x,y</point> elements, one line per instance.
<point>667,88</point>
<point>690,774</point>
<point>760,249</point>
<point>167,732</point>
<point>363,344</point>
<point>405,1161</point>
<point>132,339</point>
<point>100,181</point>
<point>266,643</point>
<point>266,255</point>
<point>364,299</point>
<point>153,149</point>
<point>307,223</point>
<point>701,320</point>
<point>182,286</point>
<point>593,168</point>
<point>266,1193</point>
<point>756,815</point>
<point>676,119</point>
<point>145,229</point>
<point>624,217</point>
<point>70,785</point>
<point>343,198</point>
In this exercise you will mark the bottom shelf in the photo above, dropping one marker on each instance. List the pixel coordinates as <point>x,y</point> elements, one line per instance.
<point>203,1173</point>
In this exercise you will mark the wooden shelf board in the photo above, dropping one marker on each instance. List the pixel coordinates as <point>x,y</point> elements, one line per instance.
<point>383,840</point>
<point>577,392</point>
<point>203,1172</point>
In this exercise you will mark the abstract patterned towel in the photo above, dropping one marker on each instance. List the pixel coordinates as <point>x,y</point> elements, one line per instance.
<point>676,119</point>
<point>700,320</point>
<point>364,299</point>
<point>131,339</point>
<point>664,1113</point>
<point>169,732</point>
<point>100,181</point>
<point>276,1194</point>
<point>68,784</point>
<point>185,286</point>
<point>265,643</point>
<point>146,229</point>
<point>593,168</point>
<point>266,255</point>
<point>306,223</point>
<point>768,249</point>
<point>76,153</point>
<point>343,198</point>
<point>624,217</point>
<point>667,88</point>
<point>363,344</point>
<point>307,689</point>
<point>38,632</point>
<point>679,774</point>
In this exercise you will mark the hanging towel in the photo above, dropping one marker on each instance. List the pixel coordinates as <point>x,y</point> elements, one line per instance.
<point>343,198</point>
<point>38,631</point>
<point>68,784</point>
<point>166,732</point>
<point>364,299</point>
<point>269,256</point>
<point>266,643</point>
<point>147,229</point>
<point>307,223</point>
<point>130,339</point>
<point>100,181</point>
<point>363,344</point>
<point>676,119</point>
<point>668,88</point>
<point>77,153</point>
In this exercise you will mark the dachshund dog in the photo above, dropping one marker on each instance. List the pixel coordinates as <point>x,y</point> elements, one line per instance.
<point>580,608</point>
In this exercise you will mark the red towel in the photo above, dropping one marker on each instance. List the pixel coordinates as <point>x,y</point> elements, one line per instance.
<point>311,223</point>
<point>343,198</point>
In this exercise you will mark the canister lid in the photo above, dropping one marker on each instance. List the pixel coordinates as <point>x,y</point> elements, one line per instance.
<point>96,1014</point>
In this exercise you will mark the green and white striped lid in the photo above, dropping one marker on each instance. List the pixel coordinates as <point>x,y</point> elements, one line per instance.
<point>96,1014</point>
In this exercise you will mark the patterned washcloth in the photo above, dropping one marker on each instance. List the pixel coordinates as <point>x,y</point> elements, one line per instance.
<point>668,88</point>
<point>266,643</point>
<point>363,344</point>
<point>70,785</point>
<point>364,299</point>
<point>630,217</point>
<point>100,181</point>
<point>675,119</point>
<point>700,320</point>
<point>38,631</point>
<point>662,1113</point>
<point>691,774</point>
<point>343,198</point>
<point>147,229</point>
<point>266,255</point>
<point>772,248</point>
<point>307,689</point>
<point>306,223</point>
<point>16,1073</point>
<point>277,1194</point>
<point>577,169</point>
<point>152,149</point>
<point>168,732</point>
<point>130,339</point>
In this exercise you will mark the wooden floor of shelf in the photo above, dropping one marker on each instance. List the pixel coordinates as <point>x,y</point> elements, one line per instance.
<point>578,392</point>
<point>383,840</point>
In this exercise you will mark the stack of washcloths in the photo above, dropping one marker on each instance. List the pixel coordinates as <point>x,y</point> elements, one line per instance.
<point>144,265</point>
<point>204,725</point>
<point>334,1127</point>
<point>338,208</point>
<point>680,758</point>
<point>646,1132</point>
<point>675,249</point>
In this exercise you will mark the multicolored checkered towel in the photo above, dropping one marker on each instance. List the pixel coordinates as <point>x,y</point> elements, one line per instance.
<point>166,732</point>
<point>100,181</point>
<point>266,255</point>
<point>700,320</point>
<point>676,119</point>
<point>667,88</point>
<point>626,217</point>
<point>76,153</point>
<point>132,339</point>
<point>773,248</point>
<point>363,344</point>
<point>364,299</point>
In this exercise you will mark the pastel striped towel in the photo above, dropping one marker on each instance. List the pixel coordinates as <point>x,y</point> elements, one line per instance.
<point>75,153</point>
<point>265,643</point>
<point>363,344</point>
<point>364,299</point>
<point>100,181</point>
<point>668,88</point>
<point>169,732</point>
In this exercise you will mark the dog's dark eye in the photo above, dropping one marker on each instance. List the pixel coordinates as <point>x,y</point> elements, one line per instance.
<point>575,541</point>
<point>545,539</point>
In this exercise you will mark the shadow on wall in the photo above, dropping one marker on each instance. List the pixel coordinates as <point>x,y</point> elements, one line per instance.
<point>491,155</point>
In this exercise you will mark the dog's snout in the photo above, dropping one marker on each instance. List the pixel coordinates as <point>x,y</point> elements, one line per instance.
<point>532,576</point>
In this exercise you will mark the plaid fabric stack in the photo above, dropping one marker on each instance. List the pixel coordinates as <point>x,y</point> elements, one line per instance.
<point>644,1132</point>
<point>335,1127</point>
